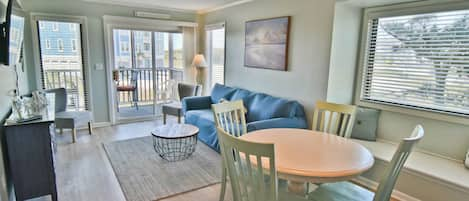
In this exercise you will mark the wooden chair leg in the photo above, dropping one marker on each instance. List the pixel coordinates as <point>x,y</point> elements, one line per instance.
<point>223,184</point>
<point>164,118</point>
<point>74,135</point>
<point>179,118</point>
<point>90,127</point>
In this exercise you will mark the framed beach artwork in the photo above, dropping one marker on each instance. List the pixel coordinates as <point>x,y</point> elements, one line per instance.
<point>266,44</point>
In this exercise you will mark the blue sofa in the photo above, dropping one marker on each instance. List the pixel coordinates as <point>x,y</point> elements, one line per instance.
<point>263,111</point>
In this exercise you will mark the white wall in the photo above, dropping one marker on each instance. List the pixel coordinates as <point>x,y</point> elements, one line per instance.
<point>310,41</point>
<point>347,21</point>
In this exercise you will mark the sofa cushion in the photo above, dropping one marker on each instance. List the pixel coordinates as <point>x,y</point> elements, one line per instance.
<point>221,91</point>
<point>203,119</point>
<point>200,115</point>
<point>262,107</point>
<point>240,94</point>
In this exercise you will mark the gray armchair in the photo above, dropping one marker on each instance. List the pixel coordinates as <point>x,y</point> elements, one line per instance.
<point>175,108</point>
<point>69,119</point>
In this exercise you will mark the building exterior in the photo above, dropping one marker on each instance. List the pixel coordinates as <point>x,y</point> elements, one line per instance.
<point>60,45</point>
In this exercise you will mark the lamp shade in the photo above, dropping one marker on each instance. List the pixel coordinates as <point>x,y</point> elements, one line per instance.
<point>199,61</point>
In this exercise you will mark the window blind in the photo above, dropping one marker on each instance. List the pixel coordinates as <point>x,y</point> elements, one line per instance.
<point>419,61</point>
<point>60,65</point>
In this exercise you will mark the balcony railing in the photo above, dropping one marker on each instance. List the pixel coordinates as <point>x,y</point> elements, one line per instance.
<point>145,83</point>
<point>72,81</point>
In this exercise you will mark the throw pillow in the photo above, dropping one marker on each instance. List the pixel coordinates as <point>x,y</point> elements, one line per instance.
<point>366,124</point>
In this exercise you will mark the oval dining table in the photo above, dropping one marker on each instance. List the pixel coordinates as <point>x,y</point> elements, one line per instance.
<point>310,156</point>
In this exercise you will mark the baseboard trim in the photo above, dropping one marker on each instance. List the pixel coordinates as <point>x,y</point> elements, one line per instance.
<point>101,124</point>
<point>374,185</point>
<point>96,125</point>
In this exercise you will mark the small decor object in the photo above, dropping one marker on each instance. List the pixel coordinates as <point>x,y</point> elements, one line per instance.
<point>39,101</point>
<point>266,43</point>
<point>467,159</point>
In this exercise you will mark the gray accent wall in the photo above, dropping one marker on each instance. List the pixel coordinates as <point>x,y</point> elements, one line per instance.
<point>94,13</point>
<point>310,42</point>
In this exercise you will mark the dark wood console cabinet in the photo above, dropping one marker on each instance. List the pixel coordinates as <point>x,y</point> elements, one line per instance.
<point>31,150</point>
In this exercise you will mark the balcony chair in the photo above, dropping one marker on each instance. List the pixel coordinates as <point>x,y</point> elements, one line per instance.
<point>69,119</point>
<point>131,88</point>
<point>230,117</point>
<point>175,107</point>
<point>346,191</point>
<point>334,118</point>
<point>250,179</point>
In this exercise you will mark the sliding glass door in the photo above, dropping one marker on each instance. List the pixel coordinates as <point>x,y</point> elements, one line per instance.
<point>215,39</point>
<point>146,63</point>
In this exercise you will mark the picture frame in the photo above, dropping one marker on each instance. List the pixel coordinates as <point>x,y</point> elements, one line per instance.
<point>267,43</point>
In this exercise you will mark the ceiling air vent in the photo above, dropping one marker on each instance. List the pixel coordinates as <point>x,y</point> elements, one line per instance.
<point>152,15</point>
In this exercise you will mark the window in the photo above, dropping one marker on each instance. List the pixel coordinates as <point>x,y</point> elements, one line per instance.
<point>122,56</point>
<point>74,45</point>
<point>62,66</point>
<point>16,38</point>
<point>216,53</point>
<point>60,45</point>
<point>55,26</point>
<point>142,54</point>
<point>48,46</point>
<point>124,46</point>
<point>418,61</point>
<point>134,46</point>
<point>178,54</point>
<point>73,27</point>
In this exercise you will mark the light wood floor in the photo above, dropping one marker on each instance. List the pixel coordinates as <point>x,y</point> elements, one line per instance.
<point>84,172</point>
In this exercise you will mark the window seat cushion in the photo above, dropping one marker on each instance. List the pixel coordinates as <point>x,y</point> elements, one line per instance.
<point>450,171</point>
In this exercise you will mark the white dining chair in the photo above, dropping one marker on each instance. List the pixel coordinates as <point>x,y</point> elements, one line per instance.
<point>230,117</point>
<point>334,118</point>
<point>346,191</point>
<point>252,169</point>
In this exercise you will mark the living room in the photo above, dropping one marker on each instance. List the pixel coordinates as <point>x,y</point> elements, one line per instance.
<point>140,86</point>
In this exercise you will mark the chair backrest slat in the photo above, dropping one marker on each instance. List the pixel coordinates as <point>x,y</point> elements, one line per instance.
<point>393,169</point>
<point>251,168</point>
<point>334,118</point>
<point>230,117</point>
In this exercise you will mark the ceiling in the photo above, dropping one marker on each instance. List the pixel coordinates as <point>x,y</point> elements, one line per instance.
<point>371,3</point>
<point>177,5</point>
<point>208,5</point>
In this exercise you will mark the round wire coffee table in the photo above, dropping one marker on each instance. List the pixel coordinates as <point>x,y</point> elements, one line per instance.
<point>175,142</point>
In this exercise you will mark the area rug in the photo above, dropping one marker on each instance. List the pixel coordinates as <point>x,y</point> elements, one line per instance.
<point>144,176</point>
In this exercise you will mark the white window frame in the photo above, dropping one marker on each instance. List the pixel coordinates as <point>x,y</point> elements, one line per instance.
<point>400,10</point>
<point>55,27</point>
<point>48,44</point>
<point>208,48</point>
<point>74,45</point>
<point>83,21</point>
<point>124,44</point>
<point>60,45</point>
<point>72,27</point>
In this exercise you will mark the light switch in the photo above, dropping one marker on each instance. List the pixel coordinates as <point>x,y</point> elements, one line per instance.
<point>99,66</point>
